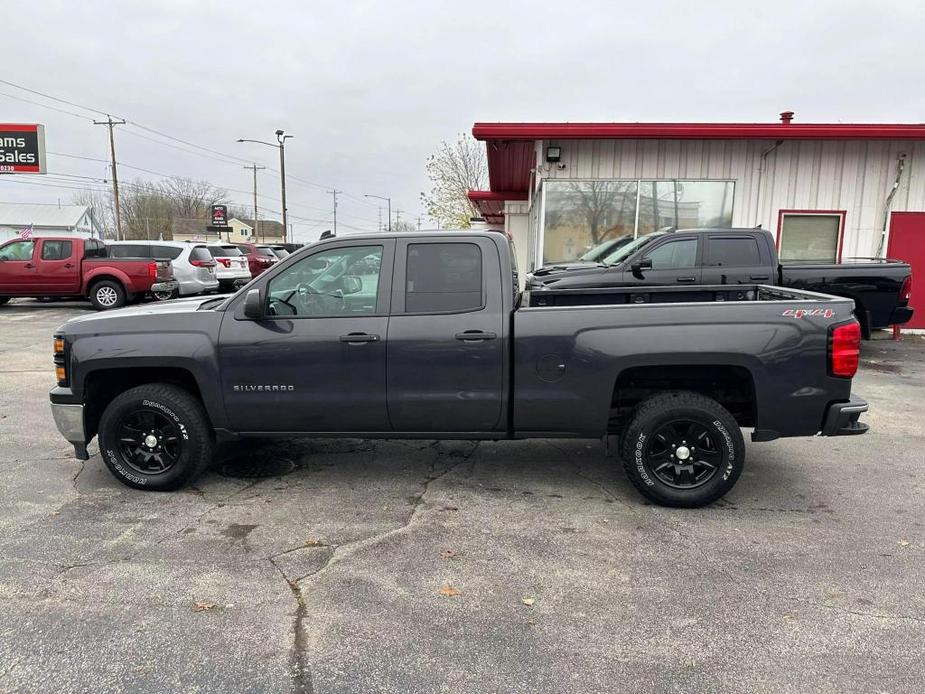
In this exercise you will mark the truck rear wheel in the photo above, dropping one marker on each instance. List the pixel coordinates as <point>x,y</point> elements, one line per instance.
<point>155,437</point>
<point>683,450</point>
<point>107,294</point>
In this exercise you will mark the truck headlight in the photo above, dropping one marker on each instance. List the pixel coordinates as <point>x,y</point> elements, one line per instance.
<point>60,359</point>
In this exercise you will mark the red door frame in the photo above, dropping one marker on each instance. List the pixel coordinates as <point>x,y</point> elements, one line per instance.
<point>831,213</point>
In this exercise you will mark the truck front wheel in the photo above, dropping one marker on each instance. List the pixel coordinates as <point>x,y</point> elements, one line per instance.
<point>155,437</point>
<point>682,449</point>
<point>107,294</point>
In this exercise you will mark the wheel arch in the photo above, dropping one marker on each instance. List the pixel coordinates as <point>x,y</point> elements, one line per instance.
<point>731,385</point>
<point>101,386</point>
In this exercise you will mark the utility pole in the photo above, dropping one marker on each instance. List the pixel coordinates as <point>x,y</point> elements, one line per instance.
<point>281,138</point>
<point>388,200</point>
<point>335,193</point>
<point>419,222</point>
<point>380,219</point>
<point>115,177</point>
<point>255,169</point>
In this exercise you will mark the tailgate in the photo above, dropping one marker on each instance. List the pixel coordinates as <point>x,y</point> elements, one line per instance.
<point>164,271</point>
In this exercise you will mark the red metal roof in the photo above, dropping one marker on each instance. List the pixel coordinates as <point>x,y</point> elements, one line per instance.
<point>510,146</point>
<point>490,203</point>
<point>699,131</point>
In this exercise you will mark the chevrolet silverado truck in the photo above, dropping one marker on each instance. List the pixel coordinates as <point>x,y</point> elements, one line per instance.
<point>880,288</point>
<point>73,266</point>
<point>426,336</point>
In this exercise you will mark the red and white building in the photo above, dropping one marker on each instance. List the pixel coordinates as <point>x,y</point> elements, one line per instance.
<point>827,192</point>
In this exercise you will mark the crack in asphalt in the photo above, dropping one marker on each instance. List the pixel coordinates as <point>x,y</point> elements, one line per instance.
<point>859,613</point>
<point>299,669</point>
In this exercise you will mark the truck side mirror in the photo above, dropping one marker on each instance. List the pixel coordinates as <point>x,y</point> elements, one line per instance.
<point>253,305</point>
<point>637,268</point>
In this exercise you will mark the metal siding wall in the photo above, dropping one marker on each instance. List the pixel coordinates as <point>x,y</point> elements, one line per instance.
<point>854,176</point>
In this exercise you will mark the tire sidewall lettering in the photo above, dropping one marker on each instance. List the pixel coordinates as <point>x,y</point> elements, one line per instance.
<point>170,413</point>
<point>639,458</point>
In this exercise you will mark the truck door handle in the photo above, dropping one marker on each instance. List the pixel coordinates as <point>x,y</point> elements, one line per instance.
<point>357,338</point>
<point>28,266</point>
<point>687,279</point>
<point>68,265</point>
<point>475,336</point>
<point>759,277</point>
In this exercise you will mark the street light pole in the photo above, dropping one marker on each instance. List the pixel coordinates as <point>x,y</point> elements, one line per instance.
<point>281,138</point>
<point>389,201</point>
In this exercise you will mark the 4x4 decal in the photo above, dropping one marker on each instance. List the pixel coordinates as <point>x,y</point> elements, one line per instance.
<point>804,312</point>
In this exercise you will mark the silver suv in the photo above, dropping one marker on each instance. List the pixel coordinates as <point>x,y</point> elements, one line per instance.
<point>192,263</point>
<point>232,269</point>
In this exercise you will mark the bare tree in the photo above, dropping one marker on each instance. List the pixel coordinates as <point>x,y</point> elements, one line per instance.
<point>454,170</point>
<point>101,210</point>
<point>150,208</point>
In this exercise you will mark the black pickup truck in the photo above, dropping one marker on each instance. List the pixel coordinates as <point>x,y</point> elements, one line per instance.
<point>425,335</point>
<point>880,288</point>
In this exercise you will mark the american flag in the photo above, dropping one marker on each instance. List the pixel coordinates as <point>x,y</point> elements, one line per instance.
<point>26,233</point>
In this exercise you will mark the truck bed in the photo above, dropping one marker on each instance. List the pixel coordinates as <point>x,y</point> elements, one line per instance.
<point>574,348</point>
<point>668,295</point>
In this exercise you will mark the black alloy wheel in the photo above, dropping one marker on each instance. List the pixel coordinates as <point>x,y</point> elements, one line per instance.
<point>684,454</point>
<point>149,442</point>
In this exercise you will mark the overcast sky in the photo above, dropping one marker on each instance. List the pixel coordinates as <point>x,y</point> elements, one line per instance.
<point>369,89</point>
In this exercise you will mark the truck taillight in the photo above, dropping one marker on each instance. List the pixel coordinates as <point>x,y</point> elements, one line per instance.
<point>844,349</point>
<point>152,270</point>
<point>202,263</point>
<point>905,291</point>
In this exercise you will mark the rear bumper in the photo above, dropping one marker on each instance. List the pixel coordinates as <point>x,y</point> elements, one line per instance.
<point>841,419</point>
<point>900,315</point>
<point>167,286</point>
<point>69,418</point>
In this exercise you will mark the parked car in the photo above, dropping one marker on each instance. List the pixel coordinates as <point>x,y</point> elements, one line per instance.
<point>193,264</point>
<point>440,344</point>
<point>259,256</point>
<point>53,266</point>
<point>879,288</point>
<point>232,269</point>
<point>280,252</point>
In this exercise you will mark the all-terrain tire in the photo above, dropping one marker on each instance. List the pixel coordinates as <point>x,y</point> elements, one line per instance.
<point>178,412</point>
<point>710,441</point>
<point>107,294</point>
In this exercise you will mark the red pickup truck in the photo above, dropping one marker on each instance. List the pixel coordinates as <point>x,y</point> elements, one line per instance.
<point>74,266</point>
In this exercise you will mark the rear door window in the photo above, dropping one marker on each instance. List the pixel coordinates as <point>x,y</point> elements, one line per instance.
<point>732,251</point>
<point>56,250</point>
<point>443,278</point>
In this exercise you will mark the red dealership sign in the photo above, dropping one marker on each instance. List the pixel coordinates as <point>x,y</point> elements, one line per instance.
<point>22,148</point>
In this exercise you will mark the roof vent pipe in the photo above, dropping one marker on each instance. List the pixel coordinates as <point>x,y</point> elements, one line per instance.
<point>786,117</point>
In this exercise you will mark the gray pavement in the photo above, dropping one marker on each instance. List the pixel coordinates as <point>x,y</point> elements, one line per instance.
<point>809,576</point>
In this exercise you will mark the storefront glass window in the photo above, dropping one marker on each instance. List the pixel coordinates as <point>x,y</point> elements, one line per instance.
<point>582,215</point>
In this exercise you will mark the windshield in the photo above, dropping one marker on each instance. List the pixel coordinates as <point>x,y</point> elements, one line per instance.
<point>265,251</point>
<point>603,249</point>
<point>628,249</point>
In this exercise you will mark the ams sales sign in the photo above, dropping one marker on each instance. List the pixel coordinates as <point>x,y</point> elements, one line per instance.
<point>22,148</point>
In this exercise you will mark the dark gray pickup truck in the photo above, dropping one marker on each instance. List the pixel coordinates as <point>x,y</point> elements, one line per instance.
<point>425,335</point>
<point>879,287</point>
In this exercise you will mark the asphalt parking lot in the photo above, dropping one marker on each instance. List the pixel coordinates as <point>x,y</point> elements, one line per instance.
<point>455,567</point>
